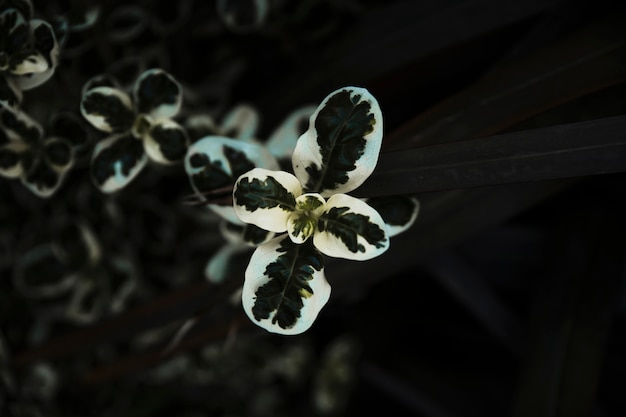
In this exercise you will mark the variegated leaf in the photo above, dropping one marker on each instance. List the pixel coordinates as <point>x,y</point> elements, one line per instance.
<point>42,179</point>
<point>282,141</point>
<point>244,234</point>
<point>285,287</point>
<point>11,165</point>
<point>108,109</point>
<point>19,126</point>
<point>10,94</point>
<point>398,212</point>
<point>222,261</point>
<point>23,64</point>
<point>340,149</point>
<point>349,228</point>
<point>166,142</point>
<point>116,161</point>
<point>46,45</point>
<point>241,123</point>
<point>266,198</point>
<point>100,80</point>
<point>158,94</point>
<point>215,161</point>
<point>199,126</point>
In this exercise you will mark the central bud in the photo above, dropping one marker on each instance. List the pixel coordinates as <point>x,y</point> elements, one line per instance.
<point>141,126</point>
<point>302,223</point>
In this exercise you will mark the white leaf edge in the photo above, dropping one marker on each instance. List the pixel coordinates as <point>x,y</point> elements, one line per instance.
<point>165,110</point>
<point>244,119</point>
<point>117,181</point>
<point>98,121</point>
<point>255,278</point>
<point>307,150</point>
<point>273,219</point>
<point>332,246</point>
<point>282,141</point>
<point>152,147</point>
<point>394,230</point>
<point>213,146</point>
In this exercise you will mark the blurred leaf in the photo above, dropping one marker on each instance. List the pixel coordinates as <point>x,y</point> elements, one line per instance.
<point>570,150</point>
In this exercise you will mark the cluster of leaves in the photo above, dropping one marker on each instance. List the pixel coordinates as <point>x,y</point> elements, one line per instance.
<point>285,286</point>
<point>106,142</point>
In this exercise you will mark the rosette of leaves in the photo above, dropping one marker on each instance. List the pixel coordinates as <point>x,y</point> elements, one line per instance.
<point>141,128</point>
<point>28,51</point>
<point>220,162</point>
<point>285,286</point>
<point>40,161</point>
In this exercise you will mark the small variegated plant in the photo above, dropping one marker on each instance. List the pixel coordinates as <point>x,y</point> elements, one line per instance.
<point>220,153</point>
<point>141,128</point>
<point>29,51</point>
<point>285,287</point>
<point>40,158</point>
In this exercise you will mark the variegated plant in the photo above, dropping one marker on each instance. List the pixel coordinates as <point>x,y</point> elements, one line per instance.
<point>220,154</point>
<point>40,159</point>
<point>29,51</point>
<point>142,128</point>
<point>285,286</point>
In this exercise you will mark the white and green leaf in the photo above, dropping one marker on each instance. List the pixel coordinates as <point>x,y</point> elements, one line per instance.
<point>266,198</point>
<point>244,234</point>
<point>19,126</point>
<point>285,287</point>
<point>158,94</point>
<point>241,122</point>
<point>221,263</point>
<point>42,179</point>
<point>46,45</point>
<point>214,162</point>
<point>10,93</point>
<point>339,151</point>
<point>399,212</point>
<point>166,142</point>
<point>116,161</point>
<point>108,109</point>
<point>282,141</point>
<point>11,165</point>
<point>351,229</point>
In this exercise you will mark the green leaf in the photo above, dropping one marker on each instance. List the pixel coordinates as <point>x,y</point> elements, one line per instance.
<point>399,212</point>
<point>285,287</point>
<point>266,198</point>
<point>340,148</point>
<point>349,228</point>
